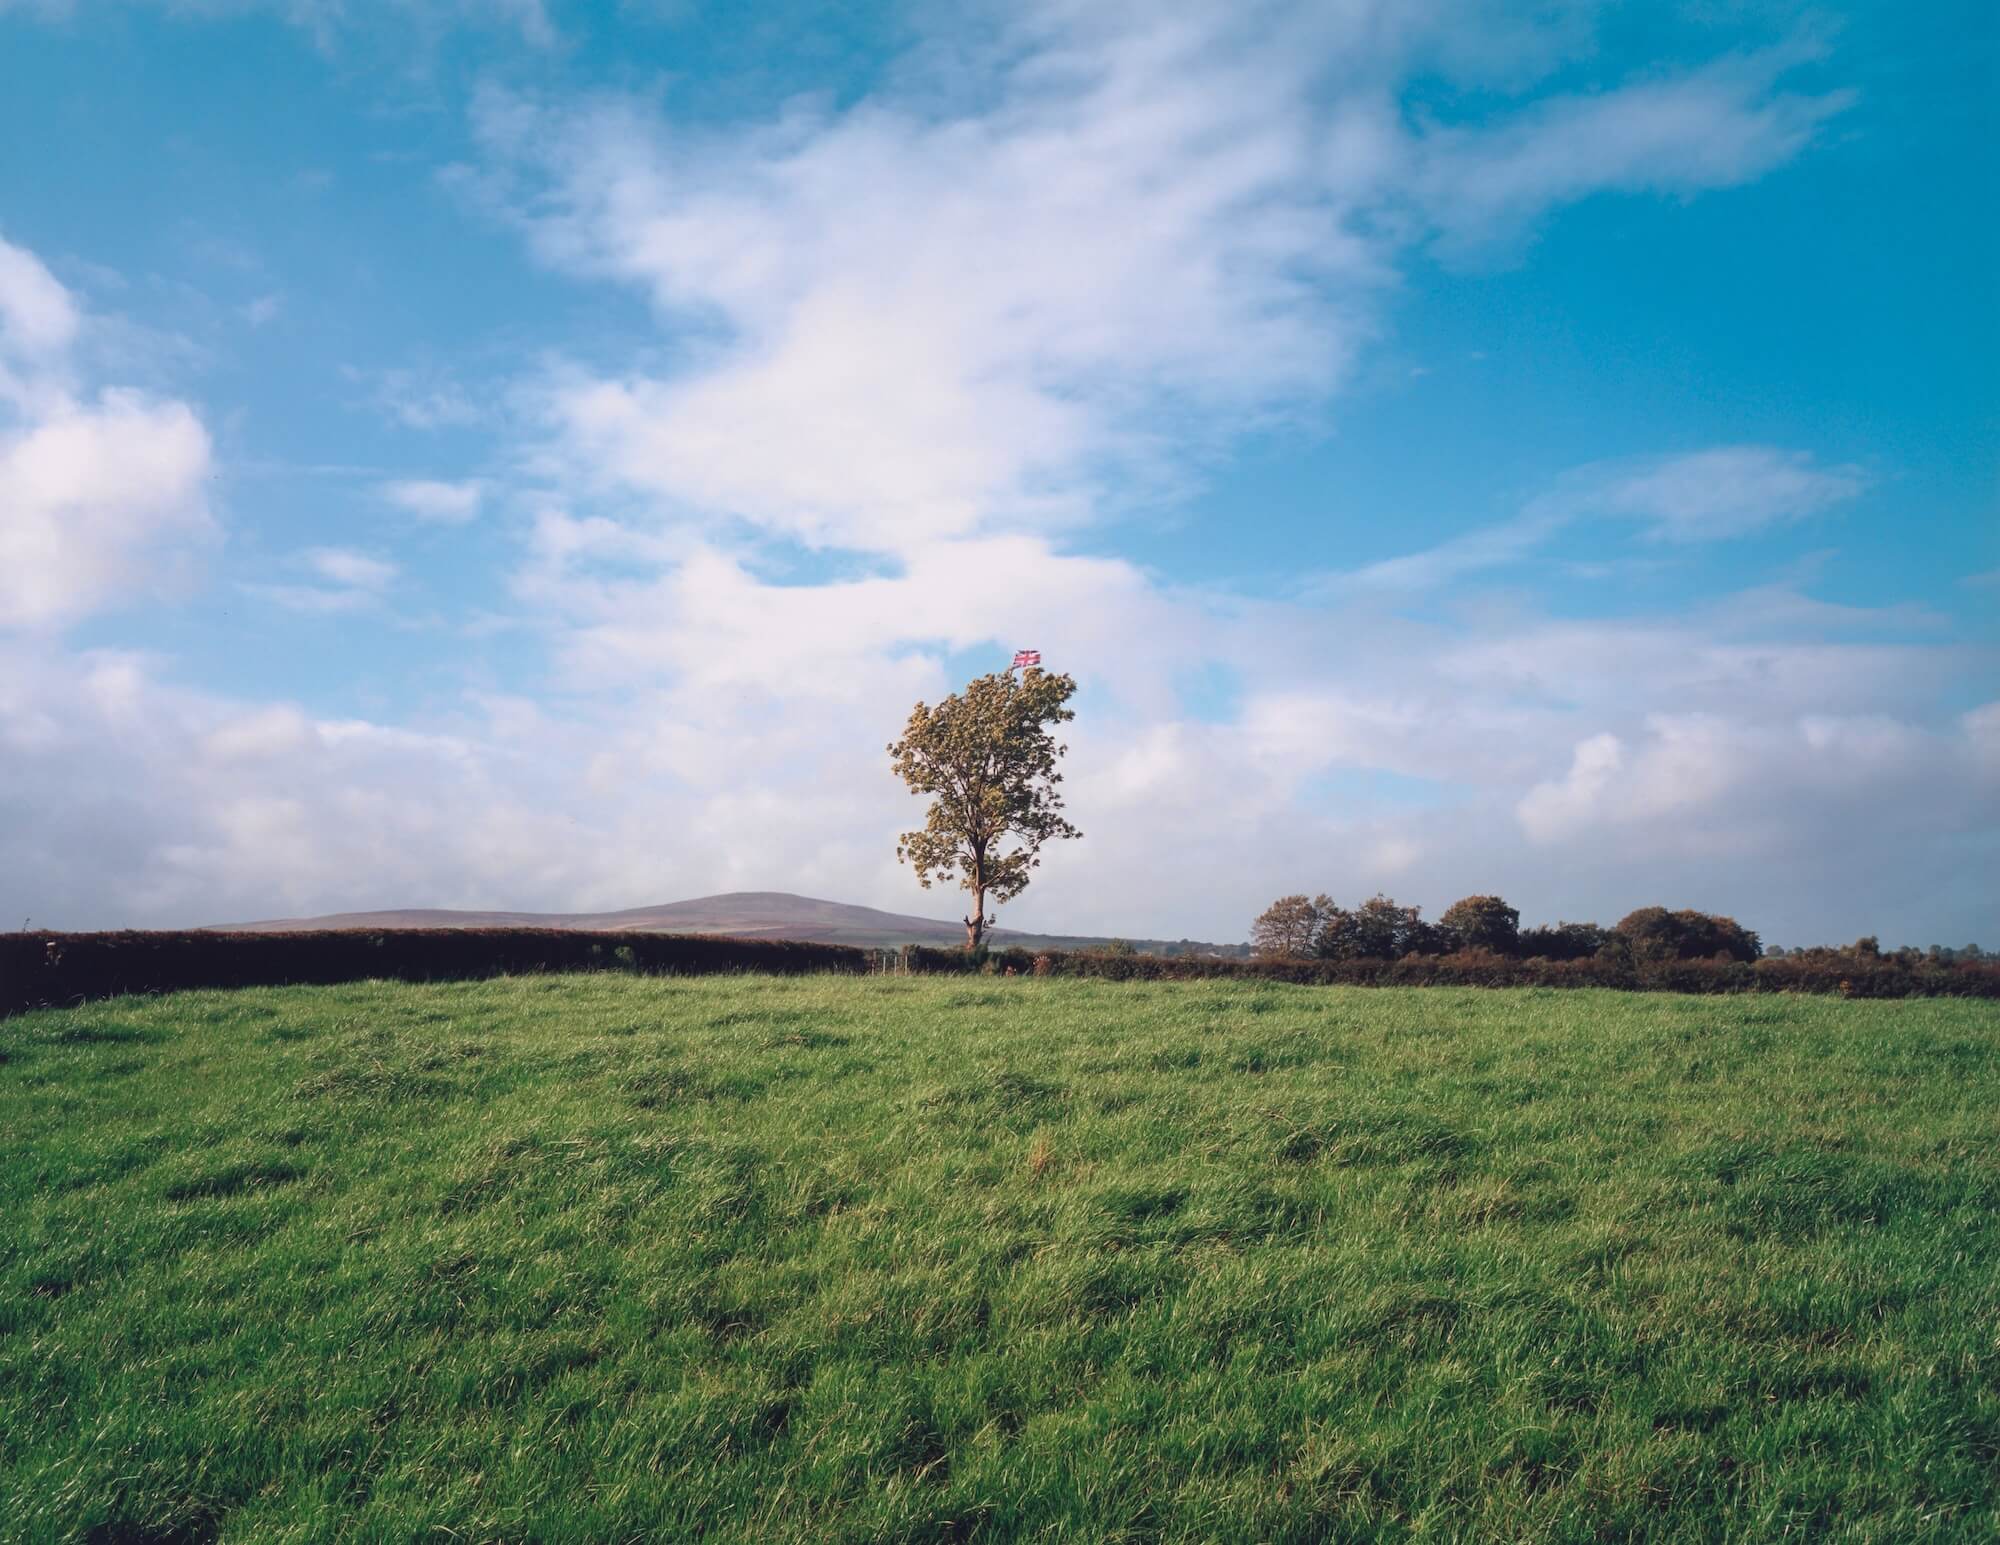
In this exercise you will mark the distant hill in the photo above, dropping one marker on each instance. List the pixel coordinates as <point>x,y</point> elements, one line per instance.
<point>741,914</point>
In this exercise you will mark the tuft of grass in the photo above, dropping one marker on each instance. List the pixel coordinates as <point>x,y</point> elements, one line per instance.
<point>796,1259</point>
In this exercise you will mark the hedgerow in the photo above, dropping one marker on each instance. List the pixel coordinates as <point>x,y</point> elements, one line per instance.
<point>39,969</point>
<point>1821,971</point>
<point>52,969</point>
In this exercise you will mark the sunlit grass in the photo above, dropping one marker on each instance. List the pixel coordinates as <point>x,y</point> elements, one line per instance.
<point>604,1258</point>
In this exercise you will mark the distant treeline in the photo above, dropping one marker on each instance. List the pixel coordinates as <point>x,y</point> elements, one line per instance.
<point>1482,936</point>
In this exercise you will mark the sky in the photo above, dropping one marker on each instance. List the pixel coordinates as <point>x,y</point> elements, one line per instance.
<point>519,454</point>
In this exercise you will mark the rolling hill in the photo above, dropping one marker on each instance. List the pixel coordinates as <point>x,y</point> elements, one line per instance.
<point>741,914</point>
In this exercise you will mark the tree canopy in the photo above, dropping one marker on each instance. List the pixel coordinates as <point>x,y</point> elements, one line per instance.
<point>1289,928</point>
<point>987,758</point>
<point>1482,923</point>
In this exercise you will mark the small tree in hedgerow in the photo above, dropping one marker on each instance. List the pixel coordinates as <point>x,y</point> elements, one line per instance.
<point>1288,929</point>
<point>987,759</point>
<point>1482,923</point>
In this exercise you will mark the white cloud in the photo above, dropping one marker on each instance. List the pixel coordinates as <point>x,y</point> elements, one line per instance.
<point>1713,127</point>
<point>332,21</point>
<point>703,776</point>
<point>102,495</point>
<point>917,344</point>
<point>1727,492</point>
<point>1709,495</point>
<point>37,316</point>
<point>431,499</point>
<point>1157,227</point>
<point>423,398</point>
<point>352,582</point>
<point>343,566</point>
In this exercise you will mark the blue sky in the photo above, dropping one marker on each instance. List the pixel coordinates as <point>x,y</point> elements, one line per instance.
<point>501,454</point>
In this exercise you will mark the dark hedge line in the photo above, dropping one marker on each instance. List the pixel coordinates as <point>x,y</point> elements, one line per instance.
<point>38,969</point>
<point>1826,972</point>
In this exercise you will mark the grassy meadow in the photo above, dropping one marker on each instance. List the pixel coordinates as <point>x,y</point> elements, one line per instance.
<point>748,1259</point>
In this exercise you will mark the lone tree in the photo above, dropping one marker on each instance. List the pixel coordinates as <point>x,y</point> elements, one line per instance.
<point>988,760</point>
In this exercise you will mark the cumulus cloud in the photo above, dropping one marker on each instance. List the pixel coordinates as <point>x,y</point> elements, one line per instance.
<point>1639,781</point>
<point>102,493</point>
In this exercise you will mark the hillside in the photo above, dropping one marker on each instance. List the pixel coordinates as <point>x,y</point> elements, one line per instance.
<point>743,914</point>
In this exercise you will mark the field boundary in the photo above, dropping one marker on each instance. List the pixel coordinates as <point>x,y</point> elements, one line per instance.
<point>39,970</point>
<point>44,969</point>
<point>1833,972</point>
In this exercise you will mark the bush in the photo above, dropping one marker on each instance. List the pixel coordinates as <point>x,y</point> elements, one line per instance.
<point>56,968</point>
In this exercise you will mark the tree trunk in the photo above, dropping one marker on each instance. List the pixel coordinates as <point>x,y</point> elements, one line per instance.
<point>975,925</point>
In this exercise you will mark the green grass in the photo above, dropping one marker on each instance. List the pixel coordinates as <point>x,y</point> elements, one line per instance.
<point>606,1258</point>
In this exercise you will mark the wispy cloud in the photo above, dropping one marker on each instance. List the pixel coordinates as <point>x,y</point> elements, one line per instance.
<point>436,500</point>
<point>1155,231</point>
<point>1727,492</point>
<point>1714,127</point>
<point>344,566</point>
<point>1699,496</point>
<point>351,581</point>
<point>423,398</point>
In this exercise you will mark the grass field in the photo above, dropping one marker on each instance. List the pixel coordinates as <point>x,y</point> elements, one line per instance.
<point>607,1258</point>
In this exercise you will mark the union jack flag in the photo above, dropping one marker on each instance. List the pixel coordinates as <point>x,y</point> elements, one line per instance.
<point>1023,658</point>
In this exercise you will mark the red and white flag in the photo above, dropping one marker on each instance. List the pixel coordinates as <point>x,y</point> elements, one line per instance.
<point>1023,658</point>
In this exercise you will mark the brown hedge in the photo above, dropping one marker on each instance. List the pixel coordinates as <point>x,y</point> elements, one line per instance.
<point>1812,972</point>
<point>39,969</point>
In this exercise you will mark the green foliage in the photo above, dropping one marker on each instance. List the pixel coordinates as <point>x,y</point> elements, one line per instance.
<point>1655,934</point>
<point>612,1257</point>
<point>1289,928</point>
<point>1378,929</point>
<point>1563,941</point>
<point>1481,923</point>
<point>987,760</point>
